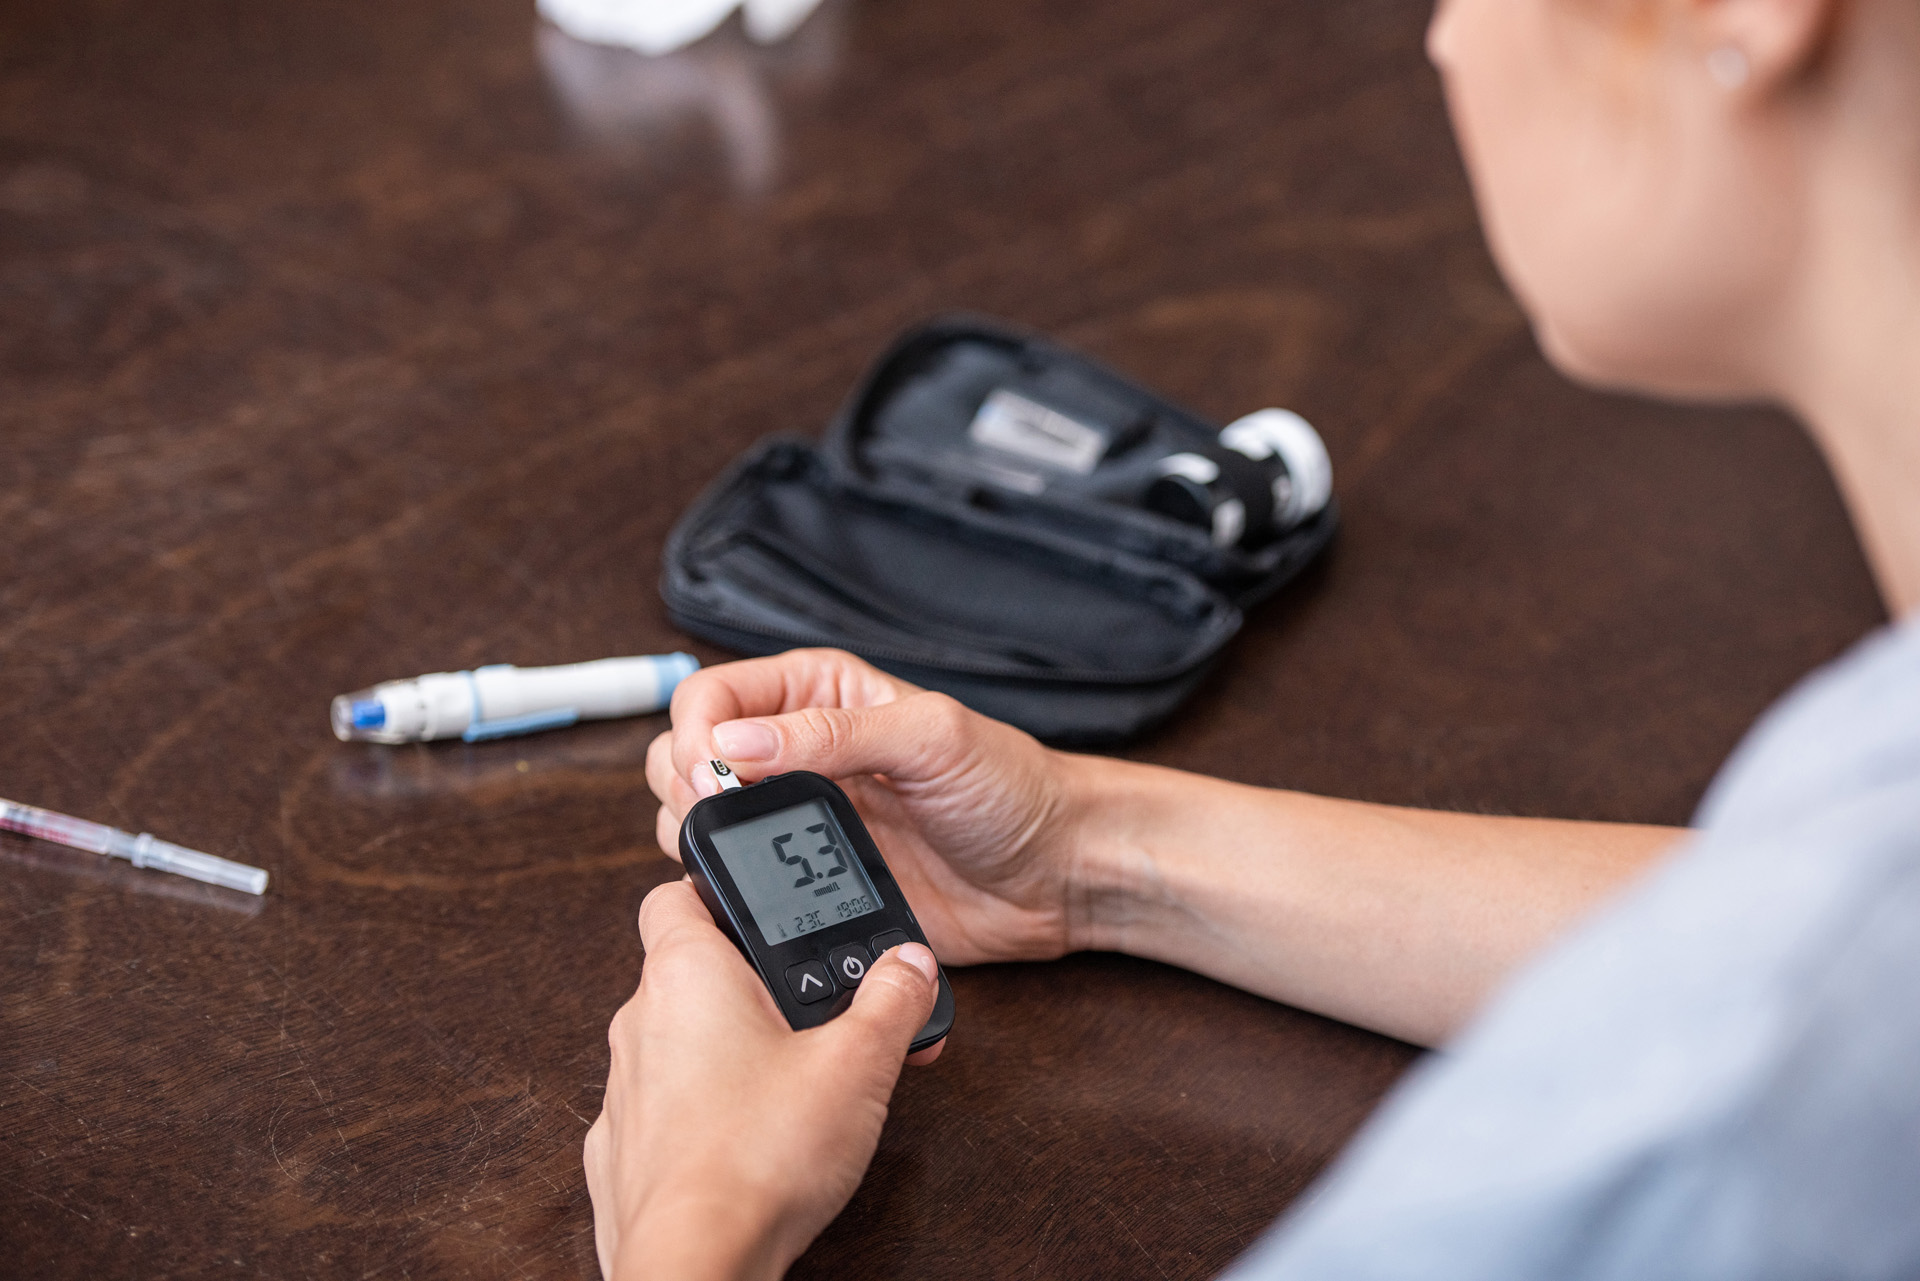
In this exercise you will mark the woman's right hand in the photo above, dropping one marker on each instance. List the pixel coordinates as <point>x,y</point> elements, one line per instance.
<point>973,815</point>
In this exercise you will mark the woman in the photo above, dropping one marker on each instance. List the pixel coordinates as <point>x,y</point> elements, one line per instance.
<point>1714,1074</point>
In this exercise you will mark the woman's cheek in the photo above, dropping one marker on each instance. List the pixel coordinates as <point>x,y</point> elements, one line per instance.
<point>1488,53</point>
<point>1531,105</point>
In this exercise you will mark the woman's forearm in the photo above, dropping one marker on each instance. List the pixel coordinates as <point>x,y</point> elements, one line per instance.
<point>1399,920</point>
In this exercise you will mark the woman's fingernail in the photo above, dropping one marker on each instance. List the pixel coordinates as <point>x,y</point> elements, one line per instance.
<point>704,783</point>
<point>746,741</point>
<point>921,958</point>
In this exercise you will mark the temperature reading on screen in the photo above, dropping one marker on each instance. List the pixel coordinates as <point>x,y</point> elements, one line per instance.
<point>795,871</point>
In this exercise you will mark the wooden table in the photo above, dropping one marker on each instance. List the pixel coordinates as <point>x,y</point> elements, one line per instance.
<point>342,341</point>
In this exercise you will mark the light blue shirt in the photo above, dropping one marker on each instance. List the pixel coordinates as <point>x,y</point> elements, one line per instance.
<point>1718,1076</point>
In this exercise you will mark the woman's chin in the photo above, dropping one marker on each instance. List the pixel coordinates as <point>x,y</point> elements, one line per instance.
<point>1636,368</point>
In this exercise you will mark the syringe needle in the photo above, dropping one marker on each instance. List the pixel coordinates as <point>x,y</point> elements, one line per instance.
<point>143,850</point>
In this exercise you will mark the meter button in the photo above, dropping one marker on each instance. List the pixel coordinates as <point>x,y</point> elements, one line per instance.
<point>849,964</point>
<point>892,938</point>
<point>809,982</point>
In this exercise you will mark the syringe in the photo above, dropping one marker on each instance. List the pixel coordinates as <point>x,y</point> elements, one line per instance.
<point>142,850</point>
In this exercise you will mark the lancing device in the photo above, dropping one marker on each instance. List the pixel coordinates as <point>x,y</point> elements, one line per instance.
<point>503,700</point>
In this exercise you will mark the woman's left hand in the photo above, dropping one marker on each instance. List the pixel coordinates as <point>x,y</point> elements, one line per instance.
<point>727,1140</point>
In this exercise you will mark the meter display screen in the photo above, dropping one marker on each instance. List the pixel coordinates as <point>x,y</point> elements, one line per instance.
<point>795,871</point>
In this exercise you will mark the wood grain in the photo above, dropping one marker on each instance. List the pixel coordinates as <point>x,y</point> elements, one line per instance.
<point>342,341</point>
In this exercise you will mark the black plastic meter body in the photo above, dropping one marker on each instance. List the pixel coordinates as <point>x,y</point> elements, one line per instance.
<point>790,873</point>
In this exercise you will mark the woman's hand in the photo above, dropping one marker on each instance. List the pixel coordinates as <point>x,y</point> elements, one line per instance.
<point>728,1140</point>
<point>971,814</point>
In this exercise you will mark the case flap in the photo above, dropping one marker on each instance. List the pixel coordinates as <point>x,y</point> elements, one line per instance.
<point>787,549</point>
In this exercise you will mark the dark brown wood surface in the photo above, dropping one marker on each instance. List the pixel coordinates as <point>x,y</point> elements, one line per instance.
<point>344,340</point>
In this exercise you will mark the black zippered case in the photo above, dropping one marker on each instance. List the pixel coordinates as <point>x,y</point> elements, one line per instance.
<point>1033,586</point>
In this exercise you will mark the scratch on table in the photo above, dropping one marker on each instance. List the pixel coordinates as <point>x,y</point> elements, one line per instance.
<point>1194,1175</point>
<point>478,1126</point>
<point>34,1192</point>
<point>29,1084</point>
<point>54,910</point>
<point>314,1084</point>
<point>273,1146</point>
<point>1127,1228</point>
<point>287,987</point>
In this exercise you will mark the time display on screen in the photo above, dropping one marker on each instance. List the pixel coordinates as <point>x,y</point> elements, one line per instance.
<point>796,871</point>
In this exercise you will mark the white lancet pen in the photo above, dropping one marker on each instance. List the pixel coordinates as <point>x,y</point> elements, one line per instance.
<point>502,700</point>
<point>143,850</point>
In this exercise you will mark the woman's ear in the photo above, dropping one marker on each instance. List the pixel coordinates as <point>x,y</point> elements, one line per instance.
<point>1755,47</point>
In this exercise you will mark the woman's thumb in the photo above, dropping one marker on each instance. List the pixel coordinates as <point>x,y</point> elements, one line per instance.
<point>894,1001</point>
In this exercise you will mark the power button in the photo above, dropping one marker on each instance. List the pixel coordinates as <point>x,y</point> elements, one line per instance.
<point>849,964</point>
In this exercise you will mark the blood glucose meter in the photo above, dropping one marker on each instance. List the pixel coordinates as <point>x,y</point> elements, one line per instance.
<point>792,876</point>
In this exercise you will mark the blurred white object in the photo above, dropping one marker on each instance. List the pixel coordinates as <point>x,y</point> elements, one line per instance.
<point>630,105</point>
<point>661,26</point>
<point>771,20</point>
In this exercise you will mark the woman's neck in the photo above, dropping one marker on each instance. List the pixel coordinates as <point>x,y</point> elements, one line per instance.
<point>1853,366</point>
<point>1864,409</point>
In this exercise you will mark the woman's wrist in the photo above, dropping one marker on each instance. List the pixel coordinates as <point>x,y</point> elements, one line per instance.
<point>1115,889</point>
<point>726,1235</point>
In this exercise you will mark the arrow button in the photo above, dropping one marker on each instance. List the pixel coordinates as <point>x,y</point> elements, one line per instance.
<point>808,982</point>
